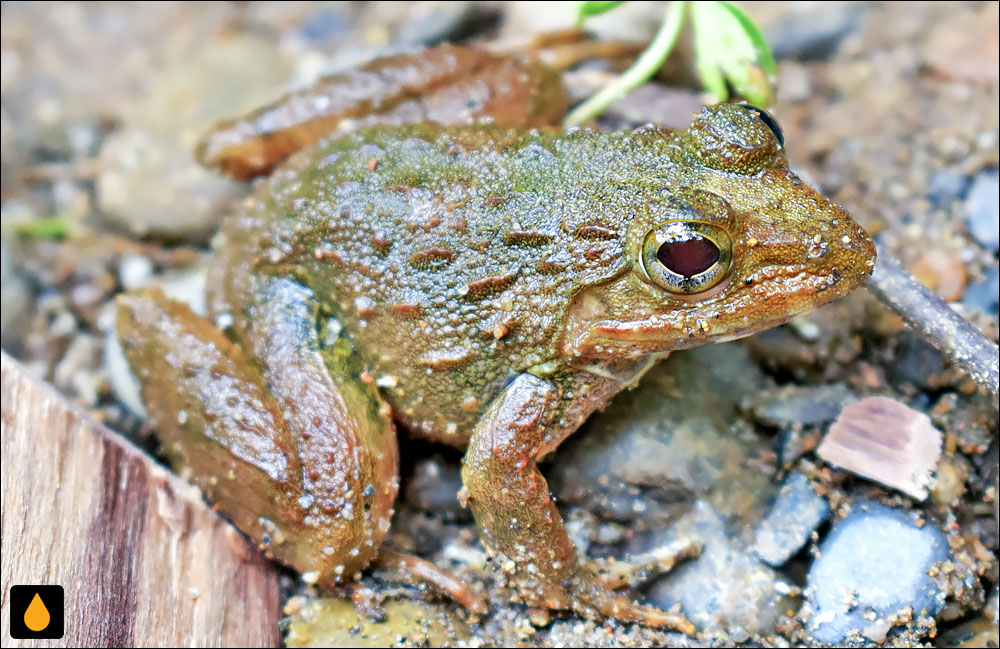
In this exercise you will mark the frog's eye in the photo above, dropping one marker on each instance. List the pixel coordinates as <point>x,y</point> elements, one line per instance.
<point>686,257</point>
<point>768,120</point>
<point>735,138</point>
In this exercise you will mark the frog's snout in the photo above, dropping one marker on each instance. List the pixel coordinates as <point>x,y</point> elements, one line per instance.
<point>846,251</point>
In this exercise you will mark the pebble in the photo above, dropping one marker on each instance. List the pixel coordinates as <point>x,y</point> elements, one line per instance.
<point>135,272</point>
<point>433,486</point>
<point>872,565</point>
<point>982,209</point>
<point>672,439</point>
<point>942,272</point>
<point>796,513</point>
<point>325,23</point>
<point>984,295</point>
<point>802,405</point>
<point>946,187</point>
<point>184,285</point>
<point>917,363</point>
<point>951,474</point>
<point>123,383</point>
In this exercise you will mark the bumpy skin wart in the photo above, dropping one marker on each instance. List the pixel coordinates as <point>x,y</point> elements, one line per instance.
<point>496,286</point>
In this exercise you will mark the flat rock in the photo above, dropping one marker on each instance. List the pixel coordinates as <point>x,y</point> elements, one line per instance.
<point>801,404</point>
<point>149,182</point>
<point>886,441</point>
<point>332,622</point>
<point>873,565</point>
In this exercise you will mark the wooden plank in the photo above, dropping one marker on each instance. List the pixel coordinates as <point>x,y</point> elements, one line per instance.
<point>142,560</point>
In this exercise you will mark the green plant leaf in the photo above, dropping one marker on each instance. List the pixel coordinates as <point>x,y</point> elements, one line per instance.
<point>594,8</point>
<point>51,228</point>
<point>731,51</point>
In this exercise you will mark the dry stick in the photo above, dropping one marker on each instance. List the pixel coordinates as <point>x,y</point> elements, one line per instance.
<point>936,322</point>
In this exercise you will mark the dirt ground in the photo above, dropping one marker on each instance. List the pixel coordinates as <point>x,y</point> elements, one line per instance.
<point>891,109</point>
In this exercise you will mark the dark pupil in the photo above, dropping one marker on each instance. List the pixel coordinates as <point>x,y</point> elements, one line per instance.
<point>768,121</point>
<point>688,257</point>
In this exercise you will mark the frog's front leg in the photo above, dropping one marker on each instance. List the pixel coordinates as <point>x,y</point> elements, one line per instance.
<point>519,522</point>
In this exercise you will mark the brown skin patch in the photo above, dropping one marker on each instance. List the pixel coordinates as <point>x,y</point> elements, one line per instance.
<point>430,255</point>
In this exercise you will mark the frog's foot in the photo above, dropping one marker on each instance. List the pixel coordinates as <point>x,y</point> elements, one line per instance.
<point>564,49</point>
<point>415,569</point>
<point>615,573</point>
<point>590,597</point>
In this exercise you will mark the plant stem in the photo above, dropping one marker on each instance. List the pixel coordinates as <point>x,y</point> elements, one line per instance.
<point>644,67</point>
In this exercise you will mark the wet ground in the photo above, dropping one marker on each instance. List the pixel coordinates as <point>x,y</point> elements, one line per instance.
<point>892,110</point>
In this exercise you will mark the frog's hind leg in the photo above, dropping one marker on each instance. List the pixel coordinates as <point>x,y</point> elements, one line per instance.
<point>299,453</point>
<point>447,84</point>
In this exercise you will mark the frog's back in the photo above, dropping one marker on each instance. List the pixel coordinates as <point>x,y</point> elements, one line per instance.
<point>450,257</point>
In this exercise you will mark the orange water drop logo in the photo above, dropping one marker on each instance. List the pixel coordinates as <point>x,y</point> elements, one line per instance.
<point>36,617</point>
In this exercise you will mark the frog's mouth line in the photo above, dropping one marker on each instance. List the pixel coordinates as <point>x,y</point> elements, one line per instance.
<point>689,329</point>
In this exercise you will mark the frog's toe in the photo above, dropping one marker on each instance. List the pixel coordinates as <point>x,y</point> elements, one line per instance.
<point>592,598</point>
<point>421,570</point>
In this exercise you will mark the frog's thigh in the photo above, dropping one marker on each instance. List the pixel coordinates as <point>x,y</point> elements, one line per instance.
<point>308,455</point>
<point>510,499</point>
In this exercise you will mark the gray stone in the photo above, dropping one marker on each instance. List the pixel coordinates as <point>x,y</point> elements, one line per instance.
<point>149,181</point>
<point>725,586</point>
<point>796,513</point>
<point>433,486</point>
<point>982,209</point>
<point>917,362</point>
<point>676,437</point>
<point>873,564</point>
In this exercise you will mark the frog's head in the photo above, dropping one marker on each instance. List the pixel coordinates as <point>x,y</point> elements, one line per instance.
<point>732,244</point>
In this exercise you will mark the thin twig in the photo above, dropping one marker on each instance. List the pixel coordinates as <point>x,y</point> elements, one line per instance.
<point>936,322</point>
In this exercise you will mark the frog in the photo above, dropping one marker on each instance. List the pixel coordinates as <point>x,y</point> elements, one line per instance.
<point>487,285</point>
